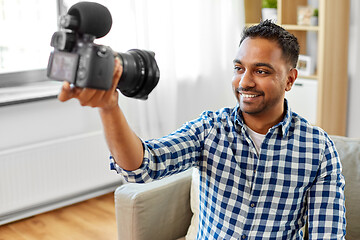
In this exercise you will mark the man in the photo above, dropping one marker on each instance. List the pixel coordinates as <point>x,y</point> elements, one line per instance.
<point>264,170</point>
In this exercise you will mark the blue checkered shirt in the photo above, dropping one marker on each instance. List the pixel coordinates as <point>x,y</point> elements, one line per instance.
<point>249,195</point>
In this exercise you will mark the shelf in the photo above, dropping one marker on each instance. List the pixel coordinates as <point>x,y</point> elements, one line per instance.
<point>250,24</point>
<point>329,53</point>
<point>300,27</point>
<point>310,77</point>
<point>292,27</point>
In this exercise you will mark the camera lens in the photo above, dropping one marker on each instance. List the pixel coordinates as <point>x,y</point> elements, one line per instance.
<point>140,73</point>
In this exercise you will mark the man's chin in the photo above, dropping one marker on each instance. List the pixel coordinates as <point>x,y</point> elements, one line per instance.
<point>250,109</point>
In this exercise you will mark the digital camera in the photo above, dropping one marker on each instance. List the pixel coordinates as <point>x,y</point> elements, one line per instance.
<point>78,60</point>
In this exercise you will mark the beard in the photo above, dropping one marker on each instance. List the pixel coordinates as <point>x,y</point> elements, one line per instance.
<point>259,104</point>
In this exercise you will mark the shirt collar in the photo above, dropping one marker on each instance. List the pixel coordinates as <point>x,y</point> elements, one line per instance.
<point>284,125</point>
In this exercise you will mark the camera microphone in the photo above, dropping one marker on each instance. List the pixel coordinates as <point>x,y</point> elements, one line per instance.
<point>88,18</point>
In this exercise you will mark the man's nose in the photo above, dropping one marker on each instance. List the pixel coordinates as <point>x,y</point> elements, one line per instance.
<point>246,80</point>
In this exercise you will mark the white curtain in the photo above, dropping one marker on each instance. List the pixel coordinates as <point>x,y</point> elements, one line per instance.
<point>353,127</point>
<point>194,41</point>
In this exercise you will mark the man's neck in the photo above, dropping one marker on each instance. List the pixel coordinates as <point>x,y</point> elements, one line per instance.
<point>261,123</point>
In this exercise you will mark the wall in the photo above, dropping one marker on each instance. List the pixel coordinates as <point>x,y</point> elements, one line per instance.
<point>35,122</point>
<point>353,128</point>
<point>52,154</point>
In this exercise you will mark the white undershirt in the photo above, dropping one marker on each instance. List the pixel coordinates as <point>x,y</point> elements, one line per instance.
<point>257,138</point>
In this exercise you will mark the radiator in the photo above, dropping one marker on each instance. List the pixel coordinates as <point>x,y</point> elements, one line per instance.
<point>48,175</point>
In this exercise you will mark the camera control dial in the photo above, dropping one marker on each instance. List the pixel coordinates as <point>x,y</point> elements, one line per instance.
<point>103,51</point>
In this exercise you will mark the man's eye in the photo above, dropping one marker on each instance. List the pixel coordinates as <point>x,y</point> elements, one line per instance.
<point>262,72</point>
<point>237,68</point>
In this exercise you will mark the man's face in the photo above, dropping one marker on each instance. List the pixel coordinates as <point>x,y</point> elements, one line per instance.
<point>261,77</point>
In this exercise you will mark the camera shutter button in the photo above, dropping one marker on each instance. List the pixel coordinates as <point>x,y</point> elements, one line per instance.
<point>102,51</point>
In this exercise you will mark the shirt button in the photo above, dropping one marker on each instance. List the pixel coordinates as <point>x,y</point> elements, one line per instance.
<point>252,205</point>
<point>243,236</point>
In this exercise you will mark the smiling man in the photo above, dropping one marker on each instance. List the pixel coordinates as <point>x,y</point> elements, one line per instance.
<point>262,74</point>
<point>264,170</point>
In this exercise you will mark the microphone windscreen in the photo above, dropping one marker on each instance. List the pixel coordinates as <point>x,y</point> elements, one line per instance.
<point>94,19</point>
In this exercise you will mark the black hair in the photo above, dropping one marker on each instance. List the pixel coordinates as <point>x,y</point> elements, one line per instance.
<point>271,31</point>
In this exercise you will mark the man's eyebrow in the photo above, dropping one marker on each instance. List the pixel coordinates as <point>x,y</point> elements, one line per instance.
<point>264,65</point>
<point>236,61</point>
<point>260,64</point>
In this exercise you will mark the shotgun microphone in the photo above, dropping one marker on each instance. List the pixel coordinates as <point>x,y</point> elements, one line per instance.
<point>88,18</point>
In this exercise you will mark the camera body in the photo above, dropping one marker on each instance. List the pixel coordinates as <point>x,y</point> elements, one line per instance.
<point>87,65</point>
<point>78,60</point>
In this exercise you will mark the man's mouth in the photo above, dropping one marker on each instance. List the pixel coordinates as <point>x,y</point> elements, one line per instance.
<point>249,95</point>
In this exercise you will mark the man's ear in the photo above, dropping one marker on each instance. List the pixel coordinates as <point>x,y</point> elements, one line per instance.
<point>291,77</point>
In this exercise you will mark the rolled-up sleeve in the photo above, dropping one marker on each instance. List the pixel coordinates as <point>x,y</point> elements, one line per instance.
<point>171,154</point>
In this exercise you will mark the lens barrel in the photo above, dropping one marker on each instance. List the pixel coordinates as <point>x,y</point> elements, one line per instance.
<point>140,73</point>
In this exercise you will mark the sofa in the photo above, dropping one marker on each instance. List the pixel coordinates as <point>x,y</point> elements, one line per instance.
<point>167,209</point>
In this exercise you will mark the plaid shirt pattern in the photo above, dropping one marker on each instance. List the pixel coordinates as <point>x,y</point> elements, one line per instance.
<point>249,195</point>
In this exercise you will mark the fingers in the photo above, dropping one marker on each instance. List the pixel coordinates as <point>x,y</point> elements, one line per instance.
<point>111,96</point>
<point>117,74</point>
<point>94,97</point>
<point>86,94</point>
<point>66,92</point>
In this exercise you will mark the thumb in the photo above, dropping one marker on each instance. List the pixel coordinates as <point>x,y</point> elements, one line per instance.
<point>66,92</point>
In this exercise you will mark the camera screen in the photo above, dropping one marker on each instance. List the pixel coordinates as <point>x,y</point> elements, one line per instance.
<point>63,66</point>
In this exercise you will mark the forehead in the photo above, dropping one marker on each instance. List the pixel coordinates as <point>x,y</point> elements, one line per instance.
<point>254,50</point>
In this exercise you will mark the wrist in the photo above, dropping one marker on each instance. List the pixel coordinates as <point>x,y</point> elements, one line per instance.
<point>111,102</point>
<point>109,109</point>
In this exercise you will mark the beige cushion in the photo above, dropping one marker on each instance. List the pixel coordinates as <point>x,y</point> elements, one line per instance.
<point>194,205</point>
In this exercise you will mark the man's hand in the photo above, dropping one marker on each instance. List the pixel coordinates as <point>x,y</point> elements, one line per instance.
<point>106,100</point>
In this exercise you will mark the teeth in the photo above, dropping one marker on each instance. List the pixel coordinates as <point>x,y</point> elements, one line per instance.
<point>249,96</point>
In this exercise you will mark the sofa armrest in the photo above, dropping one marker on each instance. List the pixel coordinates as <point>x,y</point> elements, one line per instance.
<point>157,210</point>
<point>349,152</point>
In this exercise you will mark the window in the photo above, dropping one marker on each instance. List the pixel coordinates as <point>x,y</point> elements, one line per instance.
<point>26,26</point>
<point>26,29</point>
